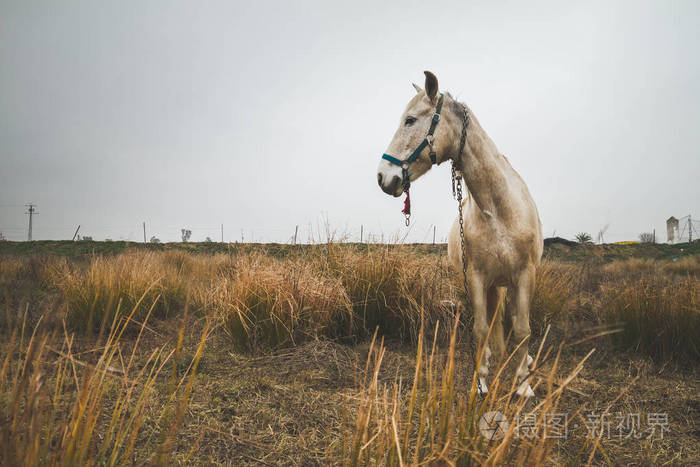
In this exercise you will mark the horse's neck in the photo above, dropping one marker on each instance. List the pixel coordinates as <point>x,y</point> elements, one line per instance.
<point>487,173</point>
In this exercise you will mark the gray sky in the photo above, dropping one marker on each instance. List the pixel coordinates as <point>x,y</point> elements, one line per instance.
<point>263,115</point>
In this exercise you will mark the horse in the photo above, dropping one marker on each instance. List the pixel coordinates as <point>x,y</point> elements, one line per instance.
<point>501,244</point>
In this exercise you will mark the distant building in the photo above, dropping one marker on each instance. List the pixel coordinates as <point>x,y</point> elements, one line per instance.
<point>672,230</point>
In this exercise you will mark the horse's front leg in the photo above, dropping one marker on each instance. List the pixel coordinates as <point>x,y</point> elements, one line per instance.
<point>477,292</point>
<point>520,296</point>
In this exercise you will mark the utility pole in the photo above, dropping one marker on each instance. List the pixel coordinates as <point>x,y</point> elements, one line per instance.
<point>690,228</point>
<point>362,228</point>
<point>654,240</point>
<point>434,234</point>
<point>31,211</point>
<point>296,230</point>
<point>76,232</point>
<point>222,233</point>
<point>144,232</point>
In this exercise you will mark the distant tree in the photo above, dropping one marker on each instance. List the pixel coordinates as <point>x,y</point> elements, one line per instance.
<point>646,237</point>
<point>208,240</point>
<point>108,240</point>
<point>584,238</point>
<point>185,234</point>
<point>86,238</point>
<point>2,237</point>
<point>154,239</point>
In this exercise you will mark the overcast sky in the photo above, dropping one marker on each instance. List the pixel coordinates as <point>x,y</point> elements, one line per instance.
<point>265,115</point>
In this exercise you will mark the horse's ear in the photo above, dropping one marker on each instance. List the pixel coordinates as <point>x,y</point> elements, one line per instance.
<point>417,88</point>
<point>431,85</point>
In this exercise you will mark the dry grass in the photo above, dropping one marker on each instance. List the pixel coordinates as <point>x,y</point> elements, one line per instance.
<point>267,304</point>
<point>10,269</point>
<point>660,316</point>
<point>554,288</point>
<point>58,409</point>
<point>434,423</point>
<point>690,265</point>
<point>117,389</point>
<point>631,268</point>
<point>392,291</point>
<point>340,292</point>
<point>95,295</point>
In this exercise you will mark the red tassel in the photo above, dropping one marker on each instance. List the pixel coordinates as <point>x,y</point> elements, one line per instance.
<point>407,205</point>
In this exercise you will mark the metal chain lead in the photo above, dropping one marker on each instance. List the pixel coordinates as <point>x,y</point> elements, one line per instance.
<point>406,187</point>
<point>457,193</point>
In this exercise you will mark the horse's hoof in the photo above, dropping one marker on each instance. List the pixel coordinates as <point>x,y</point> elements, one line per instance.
<point>525,390</point>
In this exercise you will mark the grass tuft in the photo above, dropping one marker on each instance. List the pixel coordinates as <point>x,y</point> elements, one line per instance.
<point>659,315</point>
<point>439,423</point>
<point>58,409</point>
<point>554,287</point>
<point>94,296</point>
<point>267,305</point>
<point>393,291</point>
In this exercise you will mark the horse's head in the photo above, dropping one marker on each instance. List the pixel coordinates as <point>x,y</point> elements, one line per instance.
<point>424,138</point>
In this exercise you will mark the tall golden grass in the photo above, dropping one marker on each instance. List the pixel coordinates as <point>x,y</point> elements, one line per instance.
<point>436,423</point>
<point>340,291</point>
<point>56,409</point>
<point>659,316</point>
<point>265,302</point>
<point>554,288</point>
<point>689,265</point>
<point>393,291</point>
<point>95,294</point>
<point>268,303</point>
<point>111,406</point>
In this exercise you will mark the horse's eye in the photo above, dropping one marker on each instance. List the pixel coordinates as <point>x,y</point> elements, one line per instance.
<point>410,121</point>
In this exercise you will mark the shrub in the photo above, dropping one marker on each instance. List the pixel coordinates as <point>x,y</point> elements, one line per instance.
<point>584,238</point>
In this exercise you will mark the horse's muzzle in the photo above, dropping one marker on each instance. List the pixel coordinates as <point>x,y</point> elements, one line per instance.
<point>392,187</point>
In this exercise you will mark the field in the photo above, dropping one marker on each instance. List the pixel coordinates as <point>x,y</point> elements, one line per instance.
<point>344,354</point>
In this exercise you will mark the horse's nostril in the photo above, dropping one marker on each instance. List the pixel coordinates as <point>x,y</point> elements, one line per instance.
<point>395,183</point>
<point>379,179</point>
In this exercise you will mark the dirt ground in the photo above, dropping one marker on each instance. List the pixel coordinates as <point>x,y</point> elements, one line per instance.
<point>296,407</point>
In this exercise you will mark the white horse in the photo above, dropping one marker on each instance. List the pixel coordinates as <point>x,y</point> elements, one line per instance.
<point>502,229</point>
